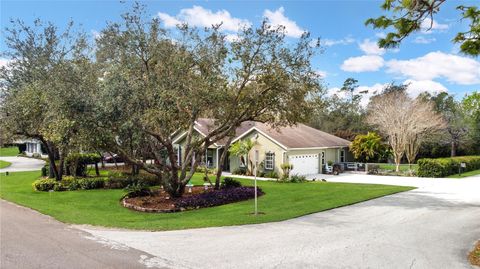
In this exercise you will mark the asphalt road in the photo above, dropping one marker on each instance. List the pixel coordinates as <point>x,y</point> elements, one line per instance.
<point>434,226</point>
<point>31,240</point>
<point>22,164</point>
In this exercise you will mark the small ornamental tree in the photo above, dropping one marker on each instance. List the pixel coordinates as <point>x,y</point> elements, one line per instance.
<point>368,147</point>
<point>242,149</point>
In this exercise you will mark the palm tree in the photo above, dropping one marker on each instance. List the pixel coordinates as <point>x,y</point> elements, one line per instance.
<point>242,148</point>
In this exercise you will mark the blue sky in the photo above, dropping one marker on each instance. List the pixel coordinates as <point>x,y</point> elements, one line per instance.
<point>428,60</point>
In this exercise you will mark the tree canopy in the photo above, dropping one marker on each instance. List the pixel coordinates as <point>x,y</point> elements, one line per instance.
<point>410,16</point>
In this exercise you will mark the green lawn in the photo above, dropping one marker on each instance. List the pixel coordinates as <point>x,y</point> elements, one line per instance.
<point>391,167</point>
<point>466,174</point>
<point>4,164</point>
<point>6,152</point>
<point>101,207</point>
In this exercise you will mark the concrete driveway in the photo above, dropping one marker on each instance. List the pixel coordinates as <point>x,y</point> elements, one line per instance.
<point>32,240</point>
<point>433,226</point>
<point>22,164</point>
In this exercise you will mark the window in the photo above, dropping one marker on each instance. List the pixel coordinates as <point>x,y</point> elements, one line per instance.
<point>209,157</point>
<point>269,160</point>
<point>342,156</point>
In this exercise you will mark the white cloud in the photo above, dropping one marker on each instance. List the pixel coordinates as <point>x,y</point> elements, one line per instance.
<point>427,26</point>
<point>4,62</point>
<point>454,68</point>
<point>332,42</point>
<point>321,73</point>
<point>415,87</point>
<point>232,37</point>
<point>366,92</point>
<point>278,17</point>
<point>363,63</point>
<point>201,17</point>
<point>424,40</point>
<point>371,47</point>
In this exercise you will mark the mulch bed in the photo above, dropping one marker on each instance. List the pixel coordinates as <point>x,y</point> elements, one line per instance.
<point>474,256</point>
<point>159,201</point>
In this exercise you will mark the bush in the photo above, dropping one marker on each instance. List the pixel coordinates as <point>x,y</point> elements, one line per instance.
<point>271,174</point>
<point>442,167</point>
<point>240,171</point>
<point>45,184</point>
<point>118,180</point>
<point>45,171</point>
<point>217,197</point>
<point>76,163</point>
<point>137,190</point>
<point>372,169</point>
<point>297,179</point>
<point>229,182</point>
<point>91,183</point>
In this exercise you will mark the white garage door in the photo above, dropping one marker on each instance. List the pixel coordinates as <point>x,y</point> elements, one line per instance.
<point>304,164</point>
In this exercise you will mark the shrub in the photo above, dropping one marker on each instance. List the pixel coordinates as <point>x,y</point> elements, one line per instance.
<point>240,171</point>
<point>45,184</point>
<point>372,169</point>
<point>137,190</point>
<point>217,197</point>
<point>271,174</point>
<point>229,182</point>
<point>118,180</point>
<point>45,171</point>
<point>91,183</point>
<point>297,179</point>
<point>76,163</point>
<point>442,167</point>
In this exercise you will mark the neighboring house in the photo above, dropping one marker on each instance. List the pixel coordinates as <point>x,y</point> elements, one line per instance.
<point>307,148</point>
<point>32,147</point>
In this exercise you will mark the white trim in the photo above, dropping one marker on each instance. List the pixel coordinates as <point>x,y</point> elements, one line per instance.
<point>264,134</point>
<point>334,147</point>
<point>185,133</point>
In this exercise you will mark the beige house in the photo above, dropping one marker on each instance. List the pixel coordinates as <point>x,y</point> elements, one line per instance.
<point>306,148</point>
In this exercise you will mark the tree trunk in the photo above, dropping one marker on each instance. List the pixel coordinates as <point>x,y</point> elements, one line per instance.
<point>453,151</point>
<point>221,163</point>
<point>60,167</point>
<point>97,172</point>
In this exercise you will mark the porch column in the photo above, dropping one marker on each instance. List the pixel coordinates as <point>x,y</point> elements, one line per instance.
<point>217,166</point>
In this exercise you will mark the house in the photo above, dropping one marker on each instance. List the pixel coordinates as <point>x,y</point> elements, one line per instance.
<point>32,147</point>
<point>306,148</point>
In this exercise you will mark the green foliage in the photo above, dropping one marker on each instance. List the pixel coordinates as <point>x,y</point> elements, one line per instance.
<point>442,167</point>
<point>240,171</point>
<point>271,174</point>
<point>297,179</point>
<point>340,113</point>
<point>44,184</point>
<point>229,182</point>
<point>369,147</point>
<point>409,16</point>
<point>137,189</point>
<point>76,163</point>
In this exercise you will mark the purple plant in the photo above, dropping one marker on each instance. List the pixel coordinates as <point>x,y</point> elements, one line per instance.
<point>217,197</point>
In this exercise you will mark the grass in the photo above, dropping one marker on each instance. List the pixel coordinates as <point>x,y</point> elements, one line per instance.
<point>101,207</point>
<point>466,174</point>
<point>8,152</point>
<point>392,167</point>
<point>4,164</point>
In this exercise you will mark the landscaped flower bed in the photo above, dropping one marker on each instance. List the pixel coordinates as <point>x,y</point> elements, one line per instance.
<point>160,201</point>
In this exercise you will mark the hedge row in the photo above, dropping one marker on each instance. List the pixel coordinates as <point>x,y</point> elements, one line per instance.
<point>113,181</point>
<point>442,167</point>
